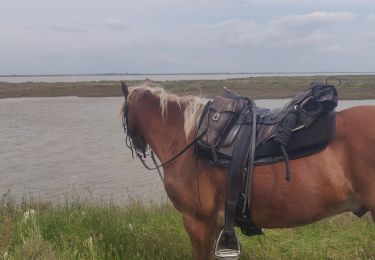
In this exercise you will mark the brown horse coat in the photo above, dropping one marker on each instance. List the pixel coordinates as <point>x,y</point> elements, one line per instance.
<point>337,179</point>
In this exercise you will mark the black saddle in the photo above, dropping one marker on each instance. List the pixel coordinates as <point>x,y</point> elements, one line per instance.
<point>311,129</point>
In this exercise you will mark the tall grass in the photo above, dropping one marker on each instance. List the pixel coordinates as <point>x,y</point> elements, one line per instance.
<point>105,231</point>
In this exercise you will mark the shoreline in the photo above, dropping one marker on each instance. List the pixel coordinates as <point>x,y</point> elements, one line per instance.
<point>263,87</point>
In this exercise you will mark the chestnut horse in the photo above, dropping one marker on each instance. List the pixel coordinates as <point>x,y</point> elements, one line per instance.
<point>339,178</point>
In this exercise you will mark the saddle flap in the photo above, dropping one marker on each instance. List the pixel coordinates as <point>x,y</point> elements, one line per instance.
<point>223,104</point>
<point>221,115</point>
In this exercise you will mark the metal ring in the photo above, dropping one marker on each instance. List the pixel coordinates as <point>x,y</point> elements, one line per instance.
<point>216,116</point>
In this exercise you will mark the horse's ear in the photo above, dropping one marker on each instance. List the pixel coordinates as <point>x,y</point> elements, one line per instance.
<point>125,89</point>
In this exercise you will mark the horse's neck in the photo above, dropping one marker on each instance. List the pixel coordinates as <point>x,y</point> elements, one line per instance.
<point>165,134</point>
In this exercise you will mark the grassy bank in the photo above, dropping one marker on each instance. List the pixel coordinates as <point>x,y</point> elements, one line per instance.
<point>86,231</point>
<point>353,87</point>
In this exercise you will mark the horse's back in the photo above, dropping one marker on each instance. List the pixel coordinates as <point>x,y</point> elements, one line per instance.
<point>357,121</point>
<point>361,112</point>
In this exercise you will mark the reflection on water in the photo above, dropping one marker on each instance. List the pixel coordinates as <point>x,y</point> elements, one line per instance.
<point>51,148</point>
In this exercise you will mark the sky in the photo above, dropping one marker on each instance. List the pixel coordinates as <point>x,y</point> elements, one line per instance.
<point>186,36</point>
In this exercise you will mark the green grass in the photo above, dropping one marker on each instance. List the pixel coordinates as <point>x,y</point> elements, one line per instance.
<point>105,231</point>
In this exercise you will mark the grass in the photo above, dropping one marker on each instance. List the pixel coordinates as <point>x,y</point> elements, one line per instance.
<point>353,87</point>
<point>104,231</point>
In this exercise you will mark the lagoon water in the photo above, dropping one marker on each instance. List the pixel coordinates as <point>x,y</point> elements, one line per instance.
<point>58,148</point>
<point>160,77</point>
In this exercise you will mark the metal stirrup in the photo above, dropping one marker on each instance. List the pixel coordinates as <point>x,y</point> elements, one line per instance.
<point>225,252</point>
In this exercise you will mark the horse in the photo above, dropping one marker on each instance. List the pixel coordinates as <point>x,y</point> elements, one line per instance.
<point>339,178</point>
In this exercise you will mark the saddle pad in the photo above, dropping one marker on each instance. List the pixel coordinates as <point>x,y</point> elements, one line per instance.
<point>303,142</point>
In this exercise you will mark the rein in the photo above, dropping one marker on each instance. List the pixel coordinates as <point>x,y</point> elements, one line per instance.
<point>168,161</point>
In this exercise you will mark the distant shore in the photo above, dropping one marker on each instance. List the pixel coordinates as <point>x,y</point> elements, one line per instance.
<point>352,87</point>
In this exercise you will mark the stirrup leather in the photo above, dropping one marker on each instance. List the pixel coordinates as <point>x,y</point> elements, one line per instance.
<point>227,246</point>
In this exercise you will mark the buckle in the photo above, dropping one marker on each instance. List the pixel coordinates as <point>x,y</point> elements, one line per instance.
<point>227,246</point>
<point>216,116</point>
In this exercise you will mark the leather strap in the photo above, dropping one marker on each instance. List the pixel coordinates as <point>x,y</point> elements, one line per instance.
<point>250,161</point>
<point>240,155</point>
<point>171,159</point>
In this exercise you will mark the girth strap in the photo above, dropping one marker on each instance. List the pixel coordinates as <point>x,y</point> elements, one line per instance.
<point>240,156</point>
<point>250,161</point>
<point>228,243</point>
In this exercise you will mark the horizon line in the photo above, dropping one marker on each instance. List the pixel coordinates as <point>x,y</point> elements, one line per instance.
<point>183,73</point>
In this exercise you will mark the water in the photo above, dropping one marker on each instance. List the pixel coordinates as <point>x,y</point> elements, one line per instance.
<point>158,77</point>
<point>54,148</point>
<point>57,147</point>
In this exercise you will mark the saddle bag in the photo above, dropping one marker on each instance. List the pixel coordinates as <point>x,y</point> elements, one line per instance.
<point>217,125</point>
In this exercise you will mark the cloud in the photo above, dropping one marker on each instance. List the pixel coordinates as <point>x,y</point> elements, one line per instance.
<point>233,32</point>
<point>306,29</point>
<point>70,28</point>
<point>371,17</point>
<point>147,12</point>
<point>312,21</point>
<point>311,28</point>
<point>231,23</point>
<point>332,49</point>
<point>78,28</point>
<point>116,24</point>
<point>299,2</point>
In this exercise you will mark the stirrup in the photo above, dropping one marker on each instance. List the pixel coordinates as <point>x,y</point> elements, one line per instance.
<point>227,246</point>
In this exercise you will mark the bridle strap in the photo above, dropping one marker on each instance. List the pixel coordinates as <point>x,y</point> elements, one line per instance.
<point>158,169</point>
<point>171,159</point>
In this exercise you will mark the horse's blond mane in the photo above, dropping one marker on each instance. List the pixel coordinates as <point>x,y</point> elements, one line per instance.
<point>192,105</point>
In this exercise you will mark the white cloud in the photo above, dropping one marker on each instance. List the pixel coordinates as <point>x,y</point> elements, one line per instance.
<point>371,17</point>
<point>231,23</point>
<point>234,32</point>
<point>310,28</point>
<point>299,2</point>
<point>312,21</point>
<point>116,24</point>
<point>70,28</point>
<point>306,29</point>
<point>332,49</point>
